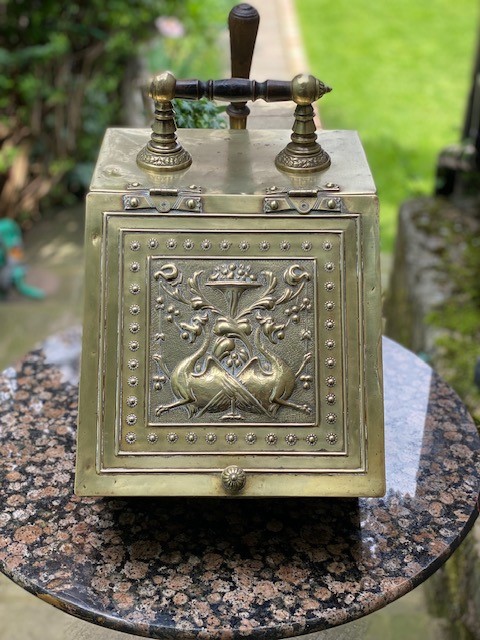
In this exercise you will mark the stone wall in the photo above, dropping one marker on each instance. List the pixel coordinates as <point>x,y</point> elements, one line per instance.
<point>432,308</point>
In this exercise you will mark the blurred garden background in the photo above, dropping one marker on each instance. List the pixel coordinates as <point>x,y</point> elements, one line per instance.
<point>401,72</point>
<point>67,72</point>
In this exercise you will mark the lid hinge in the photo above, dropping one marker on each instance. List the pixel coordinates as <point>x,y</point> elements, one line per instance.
<point>164,199</point>
<point>304,200</point>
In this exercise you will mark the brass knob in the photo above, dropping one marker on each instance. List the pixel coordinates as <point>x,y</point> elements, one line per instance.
<point>233,479</point>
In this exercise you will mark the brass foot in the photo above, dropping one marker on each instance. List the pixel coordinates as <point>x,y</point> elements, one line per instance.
<point>233,479</point>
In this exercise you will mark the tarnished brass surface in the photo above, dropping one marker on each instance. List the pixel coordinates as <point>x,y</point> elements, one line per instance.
<point>236,324</point>
<point>233,163</point>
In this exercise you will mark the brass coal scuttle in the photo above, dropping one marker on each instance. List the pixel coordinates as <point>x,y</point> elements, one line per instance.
<point>232,329</point>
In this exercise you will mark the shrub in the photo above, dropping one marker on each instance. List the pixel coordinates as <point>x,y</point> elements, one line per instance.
<point>61,72</point>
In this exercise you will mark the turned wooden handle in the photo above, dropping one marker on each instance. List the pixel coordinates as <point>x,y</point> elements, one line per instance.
<point>303,89</point>
<point>243,23</point>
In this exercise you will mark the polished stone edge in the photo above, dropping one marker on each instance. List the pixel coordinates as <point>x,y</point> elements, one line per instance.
<point>76,607</point>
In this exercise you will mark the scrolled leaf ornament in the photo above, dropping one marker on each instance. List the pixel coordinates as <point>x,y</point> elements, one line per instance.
<point>168,272</point>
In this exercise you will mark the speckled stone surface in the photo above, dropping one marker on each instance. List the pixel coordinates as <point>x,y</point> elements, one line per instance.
<point>186,568</point>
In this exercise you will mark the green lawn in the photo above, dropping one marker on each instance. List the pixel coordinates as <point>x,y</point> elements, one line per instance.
<point>400,70</point>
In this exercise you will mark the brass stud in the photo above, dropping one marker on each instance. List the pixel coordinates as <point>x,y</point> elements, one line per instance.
<point>271,438</point>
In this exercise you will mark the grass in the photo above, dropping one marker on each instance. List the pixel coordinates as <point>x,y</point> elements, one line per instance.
<point>401,72</point>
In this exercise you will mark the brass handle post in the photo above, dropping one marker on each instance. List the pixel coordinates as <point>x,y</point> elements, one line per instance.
<point>303,154</point>
<point>243,24</point>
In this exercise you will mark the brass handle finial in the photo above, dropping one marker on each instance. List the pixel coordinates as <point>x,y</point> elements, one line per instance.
<point>307,89</point>
<point>162,87</point>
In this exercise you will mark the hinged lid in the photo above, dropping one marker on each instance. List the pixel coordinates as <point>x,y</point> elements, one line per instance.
<point>232,162</point>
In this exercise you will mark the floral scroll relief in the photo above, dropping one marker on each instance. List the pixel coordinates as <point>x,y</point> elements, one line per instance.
<point>235,369</point>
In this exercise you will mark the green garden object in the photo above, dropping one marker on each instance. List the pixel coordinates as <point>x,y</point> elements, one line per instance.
<point>12,264</point>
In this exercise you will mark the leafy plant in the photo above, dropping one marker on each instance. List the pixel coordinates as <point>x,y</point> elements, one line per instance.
<point>61,71</point>
<point>200,114</point>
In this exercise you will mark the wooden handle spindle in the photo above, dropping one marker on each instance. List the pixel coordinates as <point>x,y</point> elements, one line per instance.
<point>243,23</point>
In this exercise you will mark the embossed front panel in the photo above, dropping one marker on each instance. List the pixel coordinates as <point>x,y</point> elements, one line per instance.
<point>231,341</point>
<point>232,344</point>
<point>232,328</point>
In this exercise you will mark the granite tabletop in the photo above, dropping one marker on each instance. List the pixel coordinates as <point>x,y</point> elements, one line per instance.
<point>202,568</point>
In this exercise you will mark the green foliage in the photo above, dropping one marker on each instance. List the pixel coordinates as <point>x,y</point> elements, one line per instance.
<point>200,114</point>
<point>400,71</point>
<point>62,66</point>
<point>195,54</point>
